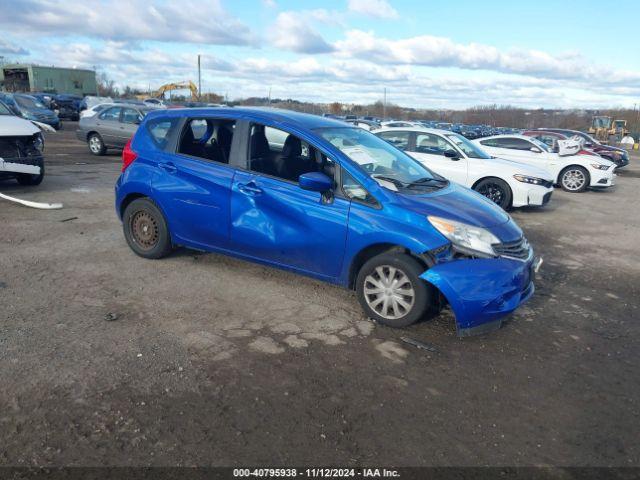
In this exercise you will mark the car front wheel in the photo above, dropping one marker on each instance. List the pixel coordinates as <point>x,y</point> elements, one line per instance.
<point>390,290</point>
<point>496,190</point>
<point>574,179</point>
<point>96,145</point>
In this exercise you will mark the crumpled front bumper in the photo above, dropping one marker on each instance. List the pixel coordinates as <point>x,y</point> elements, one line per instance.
<point>482,291</point>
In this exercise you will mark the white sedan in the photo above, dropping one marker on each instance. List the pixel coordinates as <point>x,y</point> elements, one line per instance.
<point>574,173</point>
<point>509,184</point>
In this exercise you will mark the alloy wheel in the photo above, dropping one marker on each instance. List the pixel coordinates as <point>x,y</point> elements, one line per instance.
<point>95,144</point>
<point>389,292</point>
<point>493,192</point>
<point>573,179</point>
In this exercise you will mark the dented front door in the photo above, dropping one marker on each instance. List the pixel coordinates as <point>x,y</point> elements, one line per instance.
<point>277,221</point>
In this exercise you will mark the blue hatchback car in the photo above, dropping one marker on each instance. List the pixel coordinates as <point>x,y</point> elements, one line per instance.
<point>319,197</point>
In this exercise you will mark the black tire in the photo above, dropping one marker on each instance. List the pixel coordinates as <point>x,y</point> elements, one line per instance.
<point>30,180</point>
<point>96,144</point>
<point>569,179</point>
<point>496,190</point>
<point>423,295</point>
<point>145,229</point>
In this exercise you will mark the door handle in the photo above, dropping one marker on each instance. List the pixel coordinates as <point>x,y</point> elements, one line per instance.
<point>168,167</point>
<point>249,188</point>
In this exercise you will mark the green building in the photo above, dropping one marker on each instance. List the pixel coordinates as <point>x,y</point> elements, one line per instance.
<point>38,78</point>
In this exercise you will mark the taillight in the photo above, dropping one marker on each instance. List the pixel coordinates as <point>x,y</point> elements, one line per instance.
<point>128,155</point>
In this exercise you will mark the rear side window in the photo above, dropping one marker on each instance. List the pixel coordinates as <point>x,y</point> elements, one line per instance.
<point>207,139</point>
<point>160,130</point>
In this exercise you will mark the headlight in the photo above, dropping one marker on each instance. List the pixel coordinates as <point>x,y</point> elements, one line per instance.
<point>599,166</point>
<point>532,180</point>
<point>38,142</point>
<point>470,239</point>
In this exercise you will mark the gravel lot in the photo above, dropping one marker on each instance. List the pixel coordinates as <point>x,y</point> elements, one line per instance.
<point>214,361</point>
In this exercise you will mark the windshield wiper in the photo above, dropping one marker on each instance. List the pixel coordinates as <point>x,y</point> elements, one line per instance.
<point>422,181</point>
<point>395,181</point>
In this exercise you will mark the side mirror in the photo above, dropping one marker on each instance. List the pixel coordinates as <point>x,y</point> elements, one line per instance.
<point>315,182</point>
<point>453,155</point>
<point>535,150</point>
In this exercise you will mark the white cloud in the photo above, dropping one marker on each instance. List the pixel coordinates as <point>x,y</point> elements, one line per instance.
<point>293,31</point>
<point>431,51</point>
<point>7,47</point>
<point>269,3</point>
<point>192,21</point>
<point>373,8</point>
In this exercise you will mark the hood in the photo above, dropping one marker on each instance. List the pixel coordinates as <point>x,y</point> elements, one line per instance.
<point>11,126</point>
<point>462,204</point>
<point>511,167</point>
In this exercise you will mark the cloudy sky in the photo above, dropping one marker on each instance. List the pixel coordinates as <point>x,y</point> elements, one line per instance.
<point>426,53</point>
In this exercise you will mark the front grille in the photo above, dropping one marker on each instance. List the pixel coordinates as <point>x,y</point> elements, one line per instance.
<point>519,249</point>
<point>9,149</point>
<point>19,150</point>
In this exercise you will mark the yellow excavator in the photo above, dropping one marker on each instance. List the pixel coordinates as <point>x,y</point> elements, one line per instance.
<point>606,129</point>
<point>169,87</point>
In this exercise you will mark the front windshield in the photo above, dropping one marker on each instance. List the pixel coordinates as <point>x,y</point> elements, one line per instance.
<point>4,110</point>
<point>541,145</point>
<point>471,150</point>
<point>389,166</point>
<point>28,102</point>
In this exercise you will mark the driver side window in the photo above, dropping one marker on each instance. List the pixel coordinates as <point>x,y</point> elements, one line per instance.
<point>432,144</point>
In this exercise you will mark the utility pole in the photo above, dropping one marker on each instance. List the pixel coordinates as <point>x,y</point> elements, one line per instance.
<point>199,80</point>
<point>384,105</point>
<point>269,100</point>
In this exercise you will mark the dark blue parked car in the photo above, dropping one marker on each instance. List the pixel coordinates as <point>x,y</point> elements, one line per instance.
<point>318,197</point>
<point>30,108</point>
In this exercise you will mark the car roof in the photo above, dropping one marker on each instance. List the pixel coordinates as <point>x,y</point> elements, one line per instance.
<point>506,135</point>
<point>436,131</point>
<point>542,131</point>
<point>304,120</point>
<point>137,106</point>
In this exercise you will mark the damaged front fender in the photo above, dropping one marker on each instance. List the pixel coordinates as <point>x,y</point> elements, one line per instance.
<point>482,291</point>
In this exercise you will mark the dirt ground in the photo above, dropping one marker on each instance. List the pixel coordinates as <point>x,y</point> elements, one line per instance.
<point>215,361</point>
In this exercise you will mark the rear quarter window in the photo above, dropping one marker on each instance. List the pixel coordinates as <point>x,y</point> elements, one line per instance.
<point>160,130</point>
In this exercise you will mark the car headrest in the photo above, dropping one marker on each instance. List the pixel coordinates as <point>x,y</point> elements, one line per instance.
<point>259,144</point>
<point>292,147</point>
<point>207,134</point>
<point>224,136</point>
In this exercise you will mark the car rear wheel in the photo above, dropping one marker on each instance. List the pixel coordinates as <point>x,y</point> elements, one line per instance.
<point>496,190</point>
<point>96,145</point>
<point>390,290</point>
<point>145,229</point>
<point>28,179</point>
<point>574,179</point>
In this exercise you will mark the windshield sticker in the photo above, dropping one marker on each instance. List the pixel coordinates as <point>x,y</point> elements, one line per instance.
<point>358,155</point>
